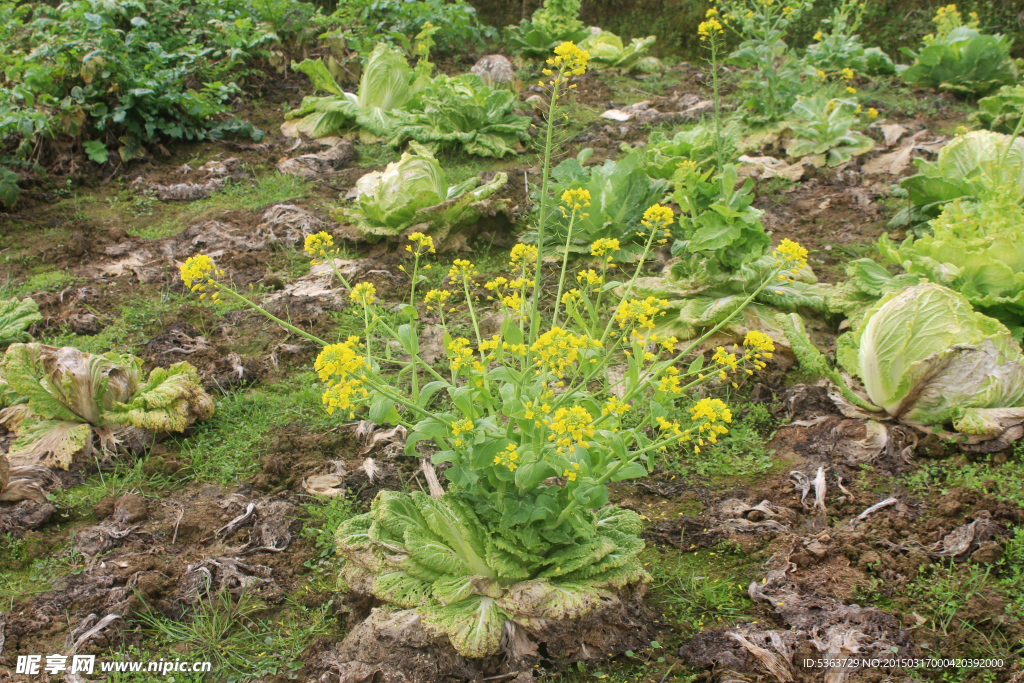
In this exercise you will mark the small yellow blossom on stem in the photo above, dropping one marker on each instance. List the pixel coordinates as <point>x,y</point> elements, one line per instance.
<point>344,370</point>
<point>848,73</point>
<point>571,427</point>
<point>817,36</point>
<point>197,270</point>
<point>507,458</point>
<point>604,246</point>
<point>789,254</point>
<point>363,294</point>
<point>462,270</point>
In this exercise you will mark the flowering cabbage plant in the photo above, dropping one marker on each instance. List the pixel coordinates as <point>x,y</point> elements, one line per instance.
<point>533,422</point>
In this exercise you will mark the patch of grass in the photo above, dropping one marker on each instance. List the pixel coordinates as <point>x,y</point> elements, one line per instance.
<point>228,446</point>
<point>46,281</point>
<point>250,195</point>
<point>743,451</point>
<point>1003,482</point>
<point>30,569</point>
<point>241,645</point>
<point>698,590</point>
<point>130,478</point>
<point>1012,567</point>
<point>324,520</point>
<point>942,590</point>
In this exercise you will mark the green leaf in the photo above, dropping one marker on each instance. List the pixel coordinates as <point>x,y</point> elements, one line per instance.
<point>96,151</point>
<point>171,400</point>
<point>410,342</point>
<point>15,318</point>
<point>9,189</point>
<point>473,626</point>
<point>633,470</point>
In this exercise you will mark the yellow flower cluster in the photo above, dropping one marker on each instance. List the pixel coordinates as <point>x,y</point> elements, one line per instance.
<point>507,458</point>
<point>709,28</point>
<point>318,244</point>
<point>196,270</point>
<point>424,243</point>
<point>615,407</point>
<point>436,296</point>
<point>590,279</point>
<point>658,216</point>
<point>791,255</point>
<point>343,369</point>
<point>571,427</point>
<point>569,57</point>
<point>523,255</point>
<point>576,199</point>
<point>872,113</point>
<point>462,270</point>
<point>459,353</point>
<point>848,73</point>
<point>817,36</point>
<point>459,428</point>
<point>571,474</point>
<point>604,246</point>
<point>669,382</point>
<point>557,349</point>
<point>725,359</point>
<point>709,411</point>
<point>759,345</point>
<point>666,426</point>
<point>363,294</point>
<point>640,313</point>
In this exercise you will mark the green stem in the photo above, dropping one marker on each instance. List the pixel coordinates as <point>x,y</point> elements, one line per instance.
<point>565,262</point>
<point>262,311</point>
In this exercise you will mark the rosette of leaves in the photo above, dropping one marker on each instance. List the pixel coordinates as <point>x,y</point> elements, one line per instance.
<point>925,357</point>
<point>414,191</point>
<point>386,84</point>
<point>662,155</point>
<point>720,258</point>
<point>607,51</point>
<point>975,248</point>
<point>963,61</point>
<point>61,401</point>
<point>550,26</point>
<point>821,129</point>
<point>835,52</point>
<point>15,318</point>
<point>1002,111</point>
<point>462,113</point>
<point>619,190</point>
<point>969,166</point>
<point>466,577</point>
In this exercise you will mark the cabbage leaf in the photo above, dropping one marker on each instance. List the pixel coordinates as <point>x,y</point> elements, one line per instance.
<point>607,51</point>
<point>414,191</point>
<point>441,558</point>
<point>964,61</point>
<point>15,318</point>
<point>60,398</point>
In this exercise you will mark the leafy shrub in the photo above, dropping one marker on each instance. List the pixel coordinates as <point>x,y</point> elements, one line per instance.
<point>722,259</point>
<point>415,191</point>
<point>969,166</point>
<point>663,155</point>
<point>387,83</point>
<point>364,23</point>
<point>463,113</point>
<point>927,358</point>
<point>777,73</point>
<point>821,129</point>
<point>619,192</point>
<point>839,47</point>
<point>959,58</point>
<point>125,74</point>
<point>1002,111</point>
<point>607,51</point>
<point>551,25</point>
<point>976,248</point>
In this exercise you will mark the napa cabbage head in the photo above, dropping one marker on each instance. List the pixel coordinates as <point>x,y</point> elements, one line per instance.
<point>926,356</point>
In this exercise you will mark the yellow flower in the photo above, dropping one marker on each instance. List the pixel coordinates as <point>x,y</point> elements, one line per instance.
<point>424,243</point>
<point>759,342</point>
<point>669,382</point>
<point>640,313</point>
<point>723,358</point>
<point>570,474</point>
<point>363,293</point>
<point>604,246</point>
<point>790,254</point>
<point>658,216</point>
<point>508,457</point>
<point>571,427</point>
<point>851,90</point>
<point>709,28</point>
<point>343,368</point>
<point>459,353</point>
<point>817,36</point>
<point>570,297</point>
<point>711,13</point>
<point>318,244</point>
<point>436,296</point>
<point>557,349</point>
<point>197,269</point>
<point>462,270</point>
<point>576,199</point>
<point>848,73</point>
<point>872,113</point>
<point>712,410</point>
<point>822,75</point>
<point>571,58</point>
<point>462,426</point>
<point>590,278</point>
<point>615,407</point>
